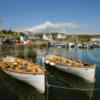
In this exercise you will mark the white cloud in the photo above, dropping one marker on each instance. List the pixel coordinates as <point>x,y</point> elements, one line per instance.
<point>55,27</point>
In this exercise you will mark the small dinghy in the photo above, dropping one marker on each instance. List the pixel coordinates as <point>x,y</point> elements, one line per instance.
<point>83,70</point>
<point>25,71</point>
<point>80,45</point>
<point>71,45</point>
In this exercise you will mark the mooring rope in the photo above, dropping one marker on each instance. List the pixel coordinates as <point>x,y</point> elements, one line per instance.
<point>90,96</point>
<point>62,87</point>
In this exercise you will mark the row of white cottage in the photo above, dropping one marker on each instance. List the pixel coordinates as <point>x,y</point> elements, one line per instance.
<point>49,36</point>
<point>62,36</point>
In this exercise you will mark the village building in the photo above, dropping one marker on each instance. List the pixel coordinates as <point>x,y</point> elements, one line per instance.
<point>61,36</point>
<point>47,36</point>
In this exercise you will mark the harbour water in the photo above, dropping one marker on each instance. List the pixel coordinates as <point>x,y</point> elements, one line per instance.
<point>60,85</point>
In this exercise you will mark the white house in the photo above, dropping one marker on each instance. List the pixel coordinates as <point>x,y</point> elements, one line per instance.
<point>61,36</point>
<point>47,37</point>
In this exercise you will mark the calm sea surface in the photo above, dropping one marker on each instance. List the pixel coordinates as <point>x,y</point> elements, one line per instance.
<point>60,85</point>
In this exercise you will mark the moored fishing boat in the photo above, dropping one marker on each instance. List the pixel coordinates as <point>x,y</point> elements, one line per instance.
<point>80,45</point>
<point>83,70</point>
<point>25,71</point>
<point>71,45</point>
<point>91,46</point>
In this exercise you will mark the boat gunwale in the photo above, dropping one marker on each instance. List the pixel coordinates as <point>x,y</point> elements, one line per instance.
<point>37,73</point>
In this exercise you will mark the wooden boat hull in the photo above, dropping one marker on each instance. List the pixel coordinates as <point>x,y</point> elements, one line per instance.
<point>35,80</point>
<point>85,73</point>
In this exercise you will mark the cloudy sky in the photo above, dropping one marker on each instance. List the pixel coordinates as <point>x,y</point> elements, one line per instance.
<point>56,27</point>
<point>51,15</point>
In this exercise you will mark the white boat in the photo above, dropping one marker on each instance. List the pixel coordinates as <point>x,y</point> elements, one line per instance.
<point>79,45</point>
<point>68,65</point>
<point>71,45</point>
<point>91,45</point>
<point>34,77</point>
<point>83,45</point>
